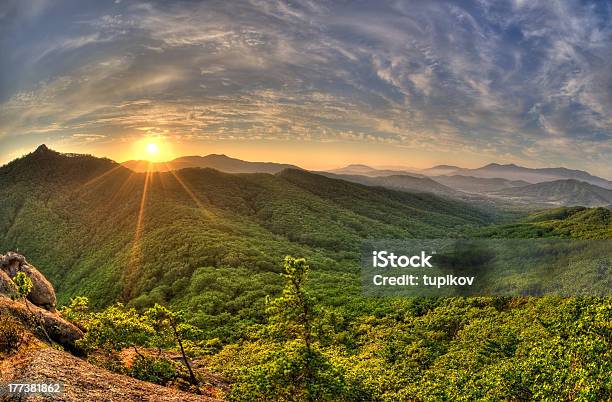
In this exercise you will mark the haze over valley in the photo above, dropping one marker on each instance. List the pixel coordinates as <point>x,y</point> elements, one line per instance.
<point>511,183</point>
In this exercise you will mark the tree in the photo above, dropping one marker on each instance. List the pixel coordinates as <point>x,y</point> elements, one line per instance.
<point>77,311</point>
<point>117,328</point>
<point>163,320</point>
<point>114,329</point>
<point>291,316</point>
<point>291,365</point>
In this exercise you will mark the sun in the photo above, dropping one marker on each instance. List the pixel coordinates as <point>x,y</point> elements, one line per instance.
<point>152,148</point>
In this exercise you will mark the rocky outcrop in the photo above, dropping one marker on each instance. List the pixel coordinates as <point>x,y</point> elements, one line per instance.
<point>83,381</point>
<point>59,330</point>
<point>7,286</point>
<point>42,294</point>
<point>39,310</point>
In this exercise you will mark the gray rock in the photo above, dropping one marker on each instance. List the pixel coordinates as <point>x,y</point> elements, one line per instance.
<point>42,294</point>
<point>60,330</point>
<point>7,286</point>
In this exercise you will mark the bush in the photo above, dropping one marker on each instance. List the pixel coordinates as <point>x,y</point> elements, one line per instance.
<point>155,369</point>
<point>11,334</point>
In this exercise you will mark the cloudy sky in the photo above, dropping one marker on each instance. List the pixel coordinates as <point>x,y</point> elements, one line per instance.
<point>317,83</point>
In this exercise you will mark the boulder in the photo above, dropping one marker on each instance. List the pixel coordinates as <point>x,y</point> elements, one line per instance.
<point>7,286</point>
<point>59,330</point>
<point>39,310</point>
<point>10,263</point>
<point>42,294</point>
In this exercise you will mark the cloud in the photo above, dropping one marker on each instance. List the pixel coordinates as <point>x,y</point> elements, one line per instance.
<point>516,80</point>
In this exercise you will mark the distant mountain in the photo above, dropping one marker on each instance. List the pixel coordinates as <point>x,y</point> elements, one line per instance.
<point>364,170</point>
<point>222,163</point>
<point>398,182</point>
<point>440,170</point>
<point>514,172</point>
<point>560,192</point>
<point>478,185</point>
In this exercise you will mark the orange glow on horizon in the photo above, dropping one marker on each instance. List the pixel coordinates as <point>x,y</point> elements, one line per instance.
<point>152,149</point>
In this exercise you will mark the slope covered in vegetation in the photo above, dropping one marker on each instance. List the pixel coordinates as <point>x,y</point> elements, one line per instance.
<point>212,244</point>
<point>200,239</point>
<point>563,222</point>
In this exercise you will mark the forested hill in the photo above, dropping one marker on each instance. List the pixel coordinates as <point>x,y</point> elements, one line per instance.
<point>562,222</point>
<point>211,244</point>
<point>85,222</point>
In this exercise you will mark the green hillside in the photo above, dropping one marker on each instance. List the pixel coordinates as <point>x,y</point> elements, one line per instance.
<point>563,222</point>
<point>212,244</point>
<point>205,237</point>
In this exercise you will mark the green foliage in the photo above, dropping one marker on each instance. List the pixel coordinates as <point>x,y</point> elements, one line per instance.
<point>291,316</point>
<point>24,287</point>
<point>290,373</point>
<point>77,311</point>
<point>173,323</point>
<point>479,349</point>
<point>455,349</point>
<point>24,284</point>
<point>216,258</point>
<point>287,362</point>
<point>118,328</point>
<point>564,222</point>
<point>114,329</point>
<point>155,369</point>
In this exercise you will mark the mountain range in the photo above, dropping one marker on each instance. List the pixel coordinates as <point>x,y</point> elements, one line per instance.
<point>510,183</point>
<point>560,192</point>
<point>148,237</point>
<point>529,175</point>
<point>364,170</point>
<point>219,162</point>
<point>479,185</point>
<point>211,245</point>
<point>401,182</point>
<point>492,183</point>
<point>489,178</point>
<point>198,238</point>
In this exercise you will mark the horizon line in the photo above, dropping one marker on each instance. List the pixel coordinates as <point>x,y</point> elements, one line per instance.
<point>406,169</point>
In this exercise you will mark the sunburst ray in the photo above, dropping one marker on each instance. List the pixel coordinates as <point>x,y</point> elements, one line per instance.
<point>136,252</point>
<point>190,192</point>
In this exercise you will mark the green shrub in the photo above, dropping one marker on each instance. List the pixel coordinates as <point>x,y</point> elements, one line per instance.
<point>155,369</point>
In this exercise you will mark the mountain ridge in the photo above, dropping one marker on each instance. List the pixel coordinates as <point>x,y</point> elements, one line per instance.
<point>365,170</point>
<point>398,182</point>
<point>219,162</point>
<point>477,185</point>
<point>531,175</point>
<point>568,192</point>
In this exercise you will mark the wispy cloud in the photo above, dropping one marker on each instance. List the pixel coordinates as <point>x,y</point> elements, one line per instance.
<point>519,81</point>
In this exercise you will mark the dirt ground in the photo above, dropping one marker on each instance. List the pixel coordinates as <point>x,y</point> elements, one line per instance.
<point>82,381</point>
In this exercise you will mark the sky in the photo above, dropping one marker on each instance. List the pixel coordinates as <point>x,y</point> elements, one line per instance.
<point>315,83</point>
